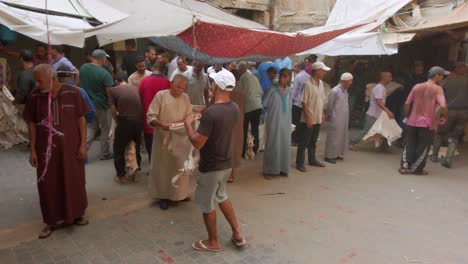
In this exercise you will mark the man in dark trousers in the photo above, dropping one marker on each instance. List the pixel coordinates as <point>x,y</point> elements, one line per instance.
<point>421,111</point>
<point>213,138</point>
<point>128,113</point>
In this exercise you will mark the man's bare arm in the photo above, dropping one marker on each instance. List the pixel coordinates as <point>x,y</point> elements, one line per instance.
<point>198,140</point>
<point>382,106</point>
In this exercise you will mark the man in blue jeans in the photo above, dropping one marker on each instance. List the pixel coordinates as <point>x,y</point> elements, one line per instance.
<point>213,138</point>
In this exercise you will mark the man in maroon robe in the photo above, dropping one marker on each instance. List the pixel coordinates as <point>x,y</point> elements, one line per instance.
<point>62,191</point>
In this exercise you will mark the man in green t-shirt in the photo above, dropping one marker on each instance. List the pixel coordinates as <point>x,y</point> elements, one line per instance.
<point>97,82</point>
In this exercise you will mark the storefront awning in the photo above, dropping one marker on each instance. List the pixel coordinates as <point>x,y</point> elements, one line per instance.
<point>455,20</point>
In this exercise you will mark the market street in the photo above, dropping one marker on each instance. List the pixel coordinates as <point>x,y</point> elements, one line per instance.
<point>358,211</point>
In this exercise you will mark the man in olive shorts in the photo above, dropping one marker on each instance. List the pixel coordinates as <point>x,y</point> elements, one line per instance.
<point>213,138</point>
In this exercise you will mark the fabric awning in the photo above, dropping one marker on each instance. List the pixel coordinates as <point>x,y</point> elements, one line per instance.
<point>76,8</point>
<point>63,29</point>
<point>457,19</point>
<point>364,40</point>
<point>207,33</point>
<point>157,18</point>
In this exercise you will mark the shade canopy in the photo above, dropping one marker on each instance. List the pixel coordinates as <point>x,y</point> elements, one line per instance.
<point>366,39</point>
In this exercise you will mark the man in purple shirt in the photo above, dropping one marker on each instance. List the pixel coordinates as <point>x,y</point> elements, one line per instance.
<point>60,61</point>
<point>301,78</point>
<point>376,107</point>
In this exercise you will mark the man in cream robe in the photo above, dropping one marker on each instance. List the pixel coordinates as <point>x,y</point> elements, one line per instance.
<point>171,146</point>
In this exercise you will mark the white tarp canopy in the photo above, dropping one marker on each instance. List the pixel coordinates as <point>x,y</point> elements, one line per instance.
<point>167,18</point>
<point>79,8</point>
<point>122,19</point>
<point>62,29</point>
<point>362,41</point>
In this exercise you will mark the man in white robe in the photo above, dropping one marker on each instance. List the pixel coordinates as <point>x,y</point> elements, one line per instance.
<point>337,114</point>
<point>170,147</point>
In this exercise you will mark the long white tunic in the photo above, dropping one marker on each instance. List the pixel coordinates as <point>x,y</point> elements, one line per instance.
<point>170,148</point>
<point>337,113</point>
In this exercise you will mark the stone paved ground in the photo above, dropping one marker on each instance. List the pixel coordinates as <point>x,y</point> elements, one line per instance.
<point>360,211</point>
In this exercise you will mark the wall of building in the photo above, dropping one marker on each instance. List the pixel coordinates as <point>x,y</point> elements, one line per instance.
<point>287,15</point>
<point>301,14</point>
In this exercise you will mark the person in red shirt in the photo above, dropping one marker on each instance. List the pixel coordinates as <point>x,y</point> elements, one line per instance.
<point>148,88</point>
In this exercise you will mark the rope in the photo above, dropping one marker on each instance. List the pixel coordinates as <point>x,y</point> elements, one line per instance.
<point>48,121</point>
<point>195,45</point>
<point>195,19</point>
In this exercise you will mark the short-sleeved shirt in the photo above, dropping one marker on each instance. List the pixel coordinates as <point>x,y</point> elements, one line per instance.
<point>250,87</point>
<point>135,78</point>
<point>456,92</point>
<point>313,95</point>
<point>94,79</point>
<point>127,101</point>
<point>379,92</point>
<point>197,85</point>
<point>217,123</point>
<point>25,82</point>
<point>148,88</point>
<point>178,71</point>
<point>301,78</point>
<point>64,63</point>
<point>425,97</point>
<point>129,62</point>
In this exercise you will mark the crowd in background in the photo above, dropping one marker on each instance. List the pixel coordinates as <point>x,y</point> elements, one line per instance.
<point>154,101</point>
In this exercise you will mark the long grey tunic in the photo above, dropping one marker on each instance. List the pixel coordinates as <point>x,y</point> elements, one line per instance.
<point>337,113</point>
<point>277,154</point>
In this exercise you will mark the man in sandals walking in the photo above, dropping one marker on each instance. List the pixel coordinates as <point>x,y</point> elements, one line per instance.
<point>213,138</point>
<point>422,100</point>
<point>61,184</point>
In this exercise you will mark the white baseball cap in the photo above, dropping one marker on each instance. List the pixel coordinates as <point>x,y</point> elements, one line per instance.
<point>320,65</point>
<point>346,76</point>
<point>224,79</point>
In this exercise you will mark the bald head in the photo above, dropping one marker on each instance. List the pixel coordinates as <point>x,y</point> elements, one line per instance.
<point>182,64</point>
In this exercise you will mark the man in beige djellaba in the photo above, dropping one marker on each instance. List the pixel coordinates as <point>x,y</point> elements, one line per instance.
<point>171,145</point>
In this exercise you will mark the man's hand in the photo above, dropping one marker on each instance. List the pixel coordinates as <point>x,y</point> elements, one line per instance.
<point>164,125</point>
<point>390,115</point>
<point>189,120</point>
<point>114,112</point>
<point>82,152</point>
<point>442,121</point>
<point>309,123</point>
<point>33,159</point>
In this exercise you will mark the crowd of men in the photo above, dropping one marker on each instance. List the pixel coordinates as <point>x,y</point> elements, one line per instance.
<point>174,106</point>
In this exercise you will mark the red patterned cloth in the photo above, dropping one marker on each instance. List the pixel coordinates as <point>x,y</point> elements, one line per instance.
<point>234,42</point>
